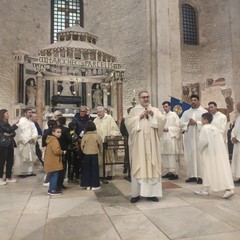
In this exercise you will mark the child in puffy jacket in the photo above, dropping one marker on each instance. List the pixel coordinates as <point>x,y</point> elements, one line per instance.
<point>53,159</point>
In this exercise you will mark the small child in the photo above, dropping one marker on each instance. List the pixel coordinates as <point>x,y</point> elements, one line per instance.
<point>64,140</point>
<point>72,154</point>
<point>215,164</point>
<point>91,145</point>
<point>53,162</point>
<point>47,132</point>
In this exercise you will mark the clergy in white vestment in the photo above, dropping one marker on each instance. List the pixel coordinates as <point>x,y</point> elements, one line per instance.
<point>26,137</point>
<point>235,137</point>
<point>191,124</point>
<point>145,125</point>
<point>217,174</point>
<point>106,126</point>
<point>170,141</point>
<point>219,119</point>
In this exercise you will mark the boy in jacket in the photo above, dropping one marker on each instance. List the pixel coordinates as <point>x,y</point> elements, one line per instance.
<point>53,159</point>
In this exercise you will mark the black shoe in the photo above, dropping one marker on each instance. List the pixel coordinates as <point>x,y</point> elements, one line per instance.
<point>27,175</point>
<point>109,177</point>
<point>54,193</point>
<point>167,175</point>
<point>153,199</point>
<point>104,181</point>
<point>135,199</point>
<point>192,179</point>
<point>173,177</point>
<point>237,181</point>
<point>22,176</point>
<point>60,191</point>
<point>199,181</point>
<point>32,175</point>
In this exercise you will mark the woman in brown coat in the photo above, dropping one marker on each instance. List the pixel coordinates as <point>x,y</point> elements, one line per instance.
<point>53,159</point>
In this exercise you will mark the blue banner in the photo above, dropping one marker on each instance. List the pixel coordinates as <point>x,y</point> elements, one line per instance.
<point>178,106</point>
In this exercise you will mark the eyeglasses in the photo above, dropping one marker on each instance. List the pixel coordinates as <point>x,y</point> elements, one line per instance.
<point>83,111</point>
<point>145,97</point>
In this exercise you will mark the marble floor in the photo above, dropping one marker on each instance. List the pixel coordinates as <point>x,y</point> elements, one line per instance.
<point>28,213</point>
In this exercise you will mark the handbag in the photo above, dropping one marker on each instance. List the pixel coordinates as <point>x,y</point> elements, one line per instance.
<point>4,140</point>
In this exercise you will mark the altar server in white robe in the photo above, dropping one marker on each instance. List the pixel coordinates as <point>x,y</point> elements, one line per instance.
<point>106,126</point>
<point>216,167</point>
<point>235,136</point>
<point>219,119</point>
<point>191,125</point>
<point>145,125</point>
<point>170,142</point>
<point>26,137</point>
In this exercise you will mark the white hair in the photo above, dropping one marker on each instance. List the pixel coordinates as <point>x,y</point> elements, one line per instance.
<point>82,108</point>
<point>57,113</point>
<point>100,108</point>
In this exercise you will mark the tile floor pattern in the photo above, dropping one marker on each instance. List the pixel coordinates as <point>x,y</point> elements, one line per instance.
<point>28,213</point>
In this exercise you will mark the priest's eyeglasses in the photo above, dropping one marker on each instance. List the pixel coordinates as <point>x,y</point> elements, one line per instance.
<point>145,97</point>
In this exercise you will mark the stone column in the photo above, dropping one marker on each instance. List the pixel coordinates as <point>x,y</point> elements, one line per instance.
<point>19,83</point>
<point>152,44</point>
<point>119,102</point>
<point>233,81</point>
<point>39,98</point>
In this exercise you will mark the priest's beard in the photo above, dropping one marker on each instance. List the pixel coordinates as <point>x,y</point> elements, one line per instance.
<point>145,105</point>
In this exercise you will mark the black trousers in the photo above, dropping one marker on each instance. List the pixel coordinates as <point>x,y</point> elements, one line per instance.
<point>126,158</point>
<point>6,155</point>
<point>90,172</point>
<point>81,159</point>
<point>73,164</point>
<point>39,153</point>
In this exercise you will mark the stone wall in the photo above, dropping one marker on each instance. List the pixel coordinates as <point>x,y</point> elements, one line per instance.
<point>25,26</point>
<point>145,37</point>
<point>210,63</point>
<point>121,27</point>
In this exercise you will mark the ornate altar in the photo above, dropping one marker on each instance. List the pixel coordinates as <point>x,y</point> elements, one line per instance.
<point>72,71</point>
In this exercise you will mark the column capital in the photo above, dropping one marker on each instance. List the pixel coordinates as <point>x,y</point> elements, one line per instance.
<point>19,55</point>
<point>39,74</point>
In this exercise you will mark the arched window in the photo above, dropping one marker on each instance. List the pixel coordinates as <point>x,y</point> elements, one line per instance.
<point>64,14</point>
<point>189,25</point>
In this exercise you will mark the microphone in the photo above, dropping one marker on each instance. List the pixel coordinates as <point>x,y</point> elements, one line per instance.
<point>146,115</point>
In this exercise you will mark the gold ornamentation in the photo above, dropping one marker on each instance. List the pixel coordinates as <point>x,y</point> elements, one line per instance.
<point>178,109</point>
